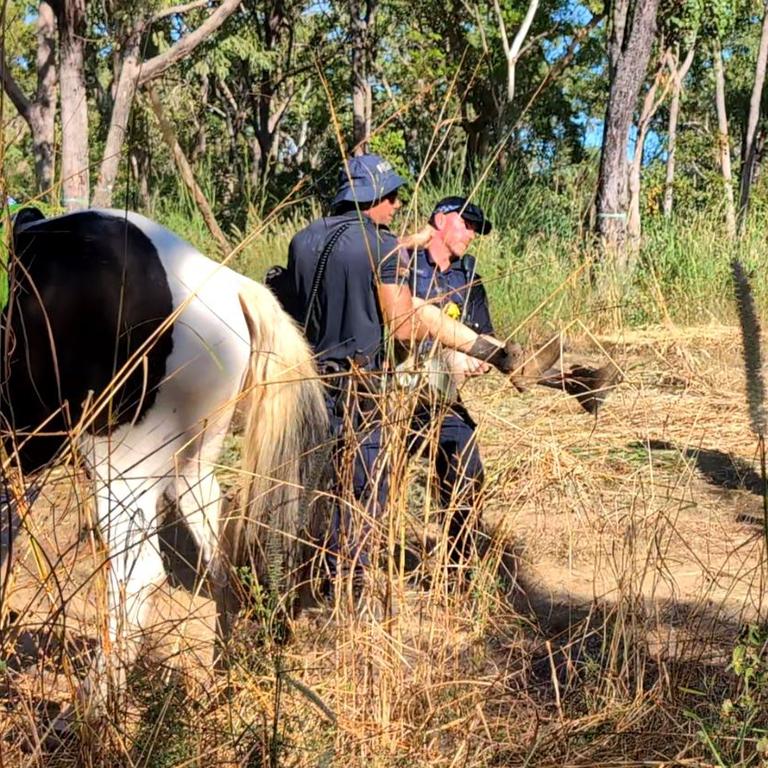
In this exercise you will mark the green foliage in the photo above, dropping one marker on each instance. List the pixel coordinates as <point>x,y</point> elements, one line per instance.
<point>680,20</point>
<point>736,732</point>
<point>438,81</point>
<point>165,736</point>
<point>719,17</point>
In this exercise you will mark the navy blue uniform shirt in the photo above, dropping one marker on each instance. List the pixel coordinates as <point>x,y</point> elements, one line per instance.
<point>350,317</point>
<point>459,285</point>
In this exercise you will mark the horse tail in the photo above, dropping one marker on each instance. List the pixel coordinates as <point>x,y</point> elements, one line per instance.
<point>285,447</point>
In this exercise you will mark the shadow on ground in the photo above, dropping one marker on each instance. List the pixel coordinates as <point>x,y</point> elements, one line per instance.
<point>726,471</point>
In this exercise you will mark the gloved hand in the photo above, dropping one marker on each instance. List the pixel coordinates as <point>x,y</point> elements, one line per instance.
<point>506,359</point>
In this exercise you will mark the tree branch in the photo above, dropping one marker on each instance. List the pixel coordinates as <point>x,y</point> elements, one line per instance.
<point>185,171</point>
<point>184,46</point>
<point>512,52</point>
<point>502,28</point>
<point>178,9</point>
<point>11,87</point>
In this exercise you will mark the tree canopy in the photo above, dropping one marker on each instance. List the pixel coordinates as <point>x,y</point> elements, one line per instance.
<point>262,96</point>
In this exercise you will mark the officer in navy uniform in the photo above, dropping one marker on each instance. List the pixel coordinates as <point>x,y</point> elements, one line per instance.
<point>444,274</point>
<point>363,291</point>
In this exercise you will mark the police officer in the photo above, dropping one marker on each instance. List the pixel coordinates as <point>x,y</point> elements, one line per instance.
<point>350,284</point>
<point>445,275</point>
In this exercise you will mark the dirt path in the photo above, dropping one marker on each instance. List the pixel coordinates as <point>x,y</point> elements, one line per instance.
<point>658,497</point>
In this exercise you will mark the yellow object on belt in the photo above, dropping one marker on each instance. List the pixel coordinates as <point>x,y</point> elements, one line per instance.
<point>453,310</point>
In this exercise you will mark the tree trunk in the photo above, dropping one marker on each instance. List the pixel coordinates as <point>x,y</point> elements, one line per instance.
<point>361,26</point>
<point>39,113</point>
<point>629,52</point>
<point>134,73</point>
<point>757,166</point>
<point>723,140</point>
<point>649,109</point>
<point>185,171</point>
<point>43,110</point>
<point>200,145</point>
<point>674,114</point>
<point>125,90</point>
<point>272,98</point>
<point>140,168</point>
<point>74,104</point>
<point>749,151</point>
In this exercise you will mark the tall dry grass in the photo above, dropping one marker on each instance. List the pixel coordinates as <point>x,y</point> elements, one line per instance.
<point>614,566</point>
<point>616,563</point>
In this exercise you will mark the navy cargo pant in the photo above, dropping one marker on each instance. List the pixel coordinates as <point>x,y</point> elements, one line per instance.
<point>360,464</point>
<point>457,465</point>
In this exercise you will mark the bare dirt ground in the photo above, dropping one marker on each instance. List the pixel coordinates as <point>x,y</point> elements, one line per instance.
<point>665,477</point>
<point>637,540</point>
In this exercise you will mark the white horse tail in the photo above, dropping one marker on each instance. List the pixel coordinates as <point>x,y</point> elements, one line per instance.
<point>286,448</point>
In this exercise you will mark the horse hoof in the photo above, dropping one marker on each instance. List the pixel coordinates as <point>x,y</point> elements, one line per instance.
<point>537,363</point>
<point>592,386</point>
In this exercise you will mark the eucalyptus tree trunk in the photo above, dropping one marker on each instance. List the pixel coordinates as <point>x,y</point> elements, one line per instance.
<point>651,103</point>
<point>125,91</point>
<point>630,46</point>
<point>723,140</point>
<point>134,73</point>
<point>268,108</point>
<point>362,16</point>
<point>75,176</point>
<point>39,113</point>
<point>674,114</point>
<point>42,116</point>
<point>139,159</point>
<point>749,153</point>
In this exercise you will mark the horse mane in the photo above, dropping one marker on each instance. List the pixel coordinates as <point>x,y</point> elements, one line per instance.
<point>286,445</point>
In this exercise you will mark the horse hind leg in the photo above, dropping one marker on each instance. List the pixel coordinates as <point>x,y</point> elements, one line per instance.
<point>197,495</point>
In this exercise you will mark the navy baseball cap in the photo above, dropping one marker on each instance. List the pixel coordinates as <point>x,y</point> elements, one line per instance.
<point>468,211</point>
<point>366,178</point>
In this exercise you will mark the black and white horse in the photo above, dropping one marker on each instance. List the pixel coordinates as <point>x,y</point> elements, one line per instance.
<point>122,341</point>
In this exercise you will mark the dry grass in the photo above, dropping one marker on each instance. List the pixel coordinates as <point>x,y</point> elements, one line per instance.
<point>639,559</point>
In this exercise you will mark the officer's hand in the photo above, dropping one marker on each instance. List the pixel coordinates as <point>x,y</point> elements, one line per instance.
<point>475,367</point>
<point>418,239</point>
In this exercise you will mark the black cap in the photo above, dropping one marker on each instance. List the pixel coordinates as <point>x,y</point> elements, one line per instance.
<point>468,211</point>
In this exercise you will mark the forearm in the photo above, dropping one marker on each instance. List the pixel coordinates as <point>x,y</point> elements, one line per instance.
<point>410,319</point>
<point>432,323</point>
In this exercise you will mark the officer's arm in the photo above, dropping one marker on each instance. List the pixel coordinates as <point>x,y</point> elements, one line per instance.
<point>411,319</point>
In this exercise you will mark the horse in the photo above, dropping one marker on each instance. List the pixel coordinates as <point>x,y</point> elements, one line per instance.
<point>124,343</point>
